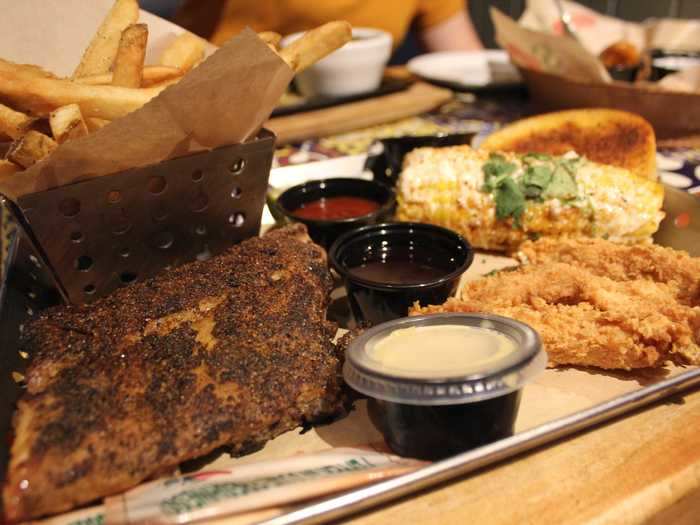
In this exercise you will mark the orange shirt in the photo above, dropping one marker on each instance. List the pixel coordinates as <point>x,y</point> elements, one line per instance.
<point>289,16</point>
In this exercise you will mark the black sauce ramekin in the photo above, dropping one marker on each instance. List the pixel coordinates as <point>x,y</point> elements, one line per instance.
<point>374,302</point>
<point>325,232</point>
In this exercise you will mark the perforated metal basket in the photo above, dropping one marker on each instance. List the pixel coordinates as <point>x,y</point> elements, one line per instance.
<point>96,235</point>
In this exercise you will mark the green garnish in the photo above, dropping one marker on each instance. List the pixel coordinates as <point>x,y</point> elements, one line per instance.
<point>535,156</point>
<point>543,177</point>
<point>510,201</point>
<point>497,169</point>
<point>562,186</point>
<point>571,165</point>
<point>535,180</point>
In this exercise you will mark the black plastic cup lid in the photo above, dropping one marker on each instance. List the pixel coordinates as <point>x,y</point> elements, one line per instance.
<point>506,374</point>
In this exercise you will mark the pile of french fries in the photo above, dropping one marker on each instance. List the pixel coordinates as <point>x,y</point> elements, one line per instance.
<point>110,81</point>
<point>39,111</point>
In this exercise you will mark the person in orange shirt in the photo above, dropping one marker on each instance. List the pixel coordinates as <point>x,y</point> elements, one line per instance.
<point>441,24</point>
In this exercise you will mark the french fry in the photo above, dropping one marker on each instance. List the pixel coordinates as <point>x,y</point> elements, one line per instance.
<point>99,55</point>
<point>183,52</point>
<point>40,96</point>
<point>271,38</point>
<point>152,75</point>
<point>128,64</point>
<point>316,44</point>
<point>165,83</point>
<point>30,70</point>
<point>24,70</point>
<point>94,123</point>
<point>67,123</point>
<point>8,167</point>
<point>31,148</point>
<point>13,123</point>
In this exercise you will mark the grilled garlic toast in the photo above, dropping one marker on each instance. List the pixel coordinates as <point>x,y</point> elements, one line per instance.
<point>607,136</point>
<point>499,200</point>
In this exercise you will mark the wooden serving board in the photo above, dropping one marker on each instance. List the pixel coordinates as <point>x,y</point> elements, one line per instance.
<point>641,469</point>
<point>631,471</point>
<point>417,99</point>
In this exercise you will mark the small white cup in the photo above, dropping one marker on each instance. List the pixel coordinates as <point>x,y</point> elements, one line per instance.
<point>355,68</point>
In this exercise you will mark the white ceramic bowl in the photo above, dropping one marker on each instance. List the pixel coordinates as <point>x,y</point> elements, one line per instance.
<point>355,68</point>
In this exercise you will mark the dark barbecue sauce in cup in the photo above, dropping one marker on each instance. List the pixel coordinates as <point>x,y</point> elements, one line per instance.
<point>398,272</point>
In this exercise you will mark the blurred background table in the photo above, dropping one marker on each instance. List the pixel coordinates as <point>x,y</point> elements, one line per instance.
<point>461,112</point>
<point>642,469</point>
<point>633,10</point>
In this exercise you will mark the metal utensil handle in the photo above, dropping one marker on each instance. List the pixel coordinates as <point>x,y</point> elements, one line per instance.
<point>468,462</point>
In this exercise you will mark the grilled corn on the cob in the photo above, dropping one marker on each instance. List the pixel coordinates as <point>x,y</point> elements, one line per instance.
<point>498,200</point>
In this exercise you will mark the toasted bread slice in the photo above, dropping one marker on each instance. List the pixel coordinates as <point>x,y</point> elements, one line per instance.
<point>605,136</point>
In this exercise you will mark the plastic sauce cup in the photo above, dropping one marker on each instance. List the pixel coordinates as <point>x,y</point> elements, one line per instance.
<point>375,300</point>
<point>433,417</point>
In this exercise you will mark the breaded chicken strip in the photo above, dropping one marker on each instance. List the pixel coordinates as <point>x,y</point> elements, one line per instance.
<point>622,262</point>
<point>587,319</point>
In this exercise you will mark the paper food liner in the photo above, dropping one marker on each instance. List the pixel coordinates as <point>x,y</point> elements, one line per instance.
<point>595,31</point>
<point>222,101</point>
<point>546,52</point>
<point>538,41</point>
<point>245,493</point>
<point>57,49</point>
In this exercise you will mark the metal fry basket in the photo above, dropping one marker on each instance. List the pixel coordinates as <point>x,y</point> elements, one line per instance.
<point>99,234</point>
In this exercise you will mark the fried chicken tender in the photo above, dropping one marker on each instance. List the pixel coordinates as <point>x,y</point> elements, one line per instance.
<point>622,262</point>
<point>608,306</point>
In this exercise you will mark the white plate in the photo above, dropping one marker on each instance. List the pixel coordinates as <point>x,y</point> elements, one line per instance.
<point>467,69</point>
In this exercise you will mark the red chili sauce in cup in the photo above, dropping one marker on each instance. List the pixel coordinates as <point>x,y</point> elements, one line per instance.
<point>336,208</point>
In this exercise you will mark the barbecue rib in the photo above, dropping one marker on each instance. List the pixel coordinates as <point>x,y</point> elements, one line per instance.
<point>232,351</point>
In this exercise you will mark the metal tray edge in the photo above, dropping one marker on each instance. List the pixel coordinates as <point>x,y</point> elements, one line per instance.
<point>467,462</point>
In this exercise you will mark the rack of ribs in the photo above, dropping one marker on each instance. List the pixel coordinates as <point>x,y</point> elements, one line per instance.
<point>227,352</point>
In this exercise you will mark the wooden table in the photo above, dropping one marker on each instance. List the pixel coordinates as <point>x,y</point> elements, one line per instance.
<point>418,98</point>
<point>642,469</point>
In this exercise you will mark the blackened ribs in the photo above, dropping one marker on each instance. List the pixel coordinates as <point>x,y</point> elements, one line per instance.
<point>232,351</point>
